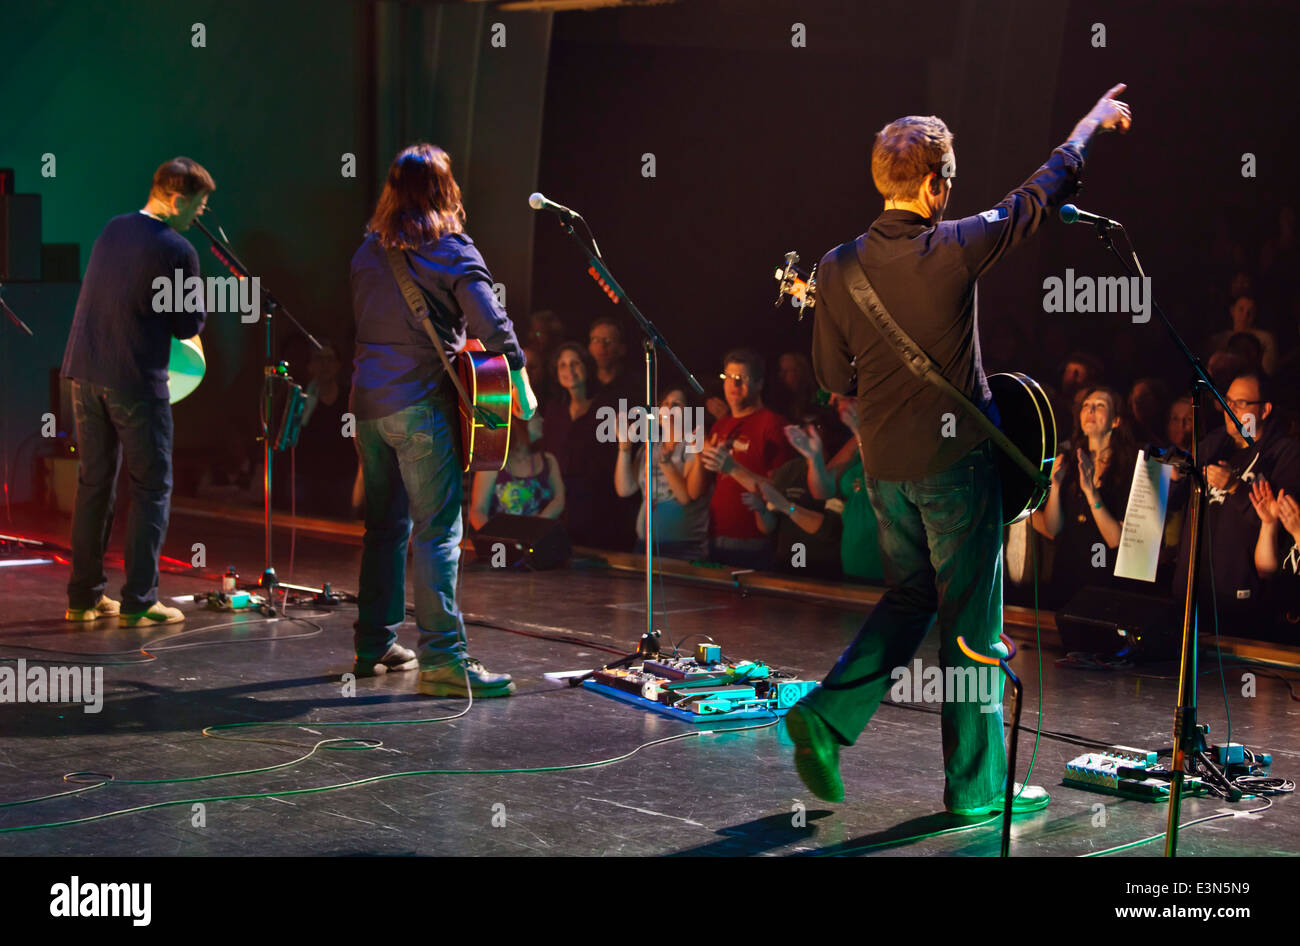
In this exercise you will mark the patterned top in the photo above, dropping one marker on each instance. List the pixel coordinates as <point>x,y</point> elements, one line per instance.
<point>521,495</point>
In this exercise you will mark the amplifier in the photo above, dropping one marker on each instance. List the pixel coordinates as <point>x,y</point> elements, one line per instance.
<point>20,237</point>
<point>1114,623</point>
<point>535,541</point>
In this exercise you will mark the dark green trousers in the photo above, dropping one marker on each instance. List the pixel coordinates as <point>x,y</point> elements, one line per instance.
<point>941,548</point>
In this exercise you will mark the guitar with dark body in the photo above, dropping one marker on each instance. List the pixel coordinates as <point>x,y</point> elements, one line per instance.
<point>1025,410</point>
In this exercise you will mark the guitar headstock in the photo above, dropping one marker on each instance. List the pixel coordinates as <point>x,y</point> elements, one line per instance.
<point>800,286</point>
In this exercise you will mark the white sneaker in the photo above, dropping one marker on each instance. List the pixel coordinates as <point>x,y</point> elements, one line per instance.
<point>106,607</point>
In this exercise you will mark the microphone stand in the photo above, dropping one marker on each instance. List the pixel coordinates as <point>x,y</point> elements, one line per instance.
<point>653,341</point>
<point>271,372</point>
<point>1188,738</point>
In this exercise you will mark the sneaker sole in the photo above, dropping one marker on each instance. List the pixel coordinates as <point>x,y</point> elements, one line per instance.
<point>148,622</point>
<point>379,670</point>
<point>446,689</point>
<point>811,771</point>
<point>85,617</point>
<point>1017,808</point>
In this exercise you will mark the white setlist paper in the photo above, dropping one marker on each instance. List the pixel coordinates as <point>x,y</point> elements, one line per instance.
<point>1144,521</point>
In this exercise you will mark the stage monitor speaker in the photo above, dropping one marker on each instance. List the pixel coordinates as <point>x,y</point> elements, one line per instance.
<point>535,541</point>
<point>1114,623</point>
<point>20,237</point>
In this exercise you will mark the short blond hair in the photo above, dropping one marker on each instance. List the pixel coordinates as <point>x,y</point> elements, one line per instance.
<point>906,151</point>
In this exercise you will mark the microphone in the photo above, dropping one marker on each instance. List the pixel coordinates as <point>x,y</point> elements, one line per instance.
<point>1072,214</point>
<point>538,201</point>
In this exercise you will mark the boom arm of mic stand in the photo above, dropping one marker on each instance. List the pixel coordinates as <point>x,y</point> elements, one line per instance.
<point>236,265</point>
<point>1135,269</point>
<point>599,270</point>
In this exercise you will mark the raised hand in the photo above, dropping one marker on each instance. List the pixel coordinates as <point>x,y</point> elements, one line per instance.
<point>1265,503</point>
<point>1110,113</point>
<point>715,458</point>
<point>1087,470</point>
<point>1288,513</point>
<point>807,441</point>
<point>1218,475</point>
<point>1058,469</point>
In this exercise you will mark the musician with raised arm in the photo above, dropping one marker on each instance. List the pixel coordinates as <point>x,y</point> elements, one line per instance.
<point>117,355</point>
<point>929,468</point>
<point>407,420</point>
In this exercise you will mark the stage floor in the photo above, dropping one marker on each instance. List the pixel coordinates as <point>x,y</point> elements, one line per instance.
<point>726,794</point>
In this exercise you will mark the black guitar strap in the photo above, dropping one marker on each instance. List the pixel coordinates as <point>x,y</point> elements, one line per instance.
<point>420,309</point>
<point>914,356</point>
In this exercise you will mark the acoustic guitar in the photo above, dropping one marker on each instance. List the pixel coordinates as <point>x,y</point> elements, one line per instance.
<point>1026,412</point>
<point>485,421</point>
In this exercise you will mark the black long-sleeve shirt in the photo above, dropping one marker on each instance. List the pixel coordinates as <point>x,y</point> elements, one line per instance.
<point>396,364</point>
<point>925,276</point>
<point>117,338</point>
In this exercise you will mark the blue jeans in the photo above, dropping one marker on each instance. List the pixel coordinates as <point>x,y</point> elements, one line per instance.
<point>412,473</point>
<point>110,425</point>
<point>941,548</point>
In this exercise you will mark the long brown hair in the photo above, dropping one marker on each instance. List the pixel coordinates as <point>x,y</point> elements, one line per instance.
<point>1121,446</point>
<point>421,200</point>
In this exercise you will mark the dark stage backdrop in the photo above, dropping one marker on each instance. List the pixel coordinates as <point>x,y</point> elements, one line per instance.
<point>761,148</point>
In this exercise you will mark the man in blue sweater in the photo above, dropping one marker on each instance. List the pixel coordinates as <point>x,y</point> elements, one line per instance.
<point>117,356</point>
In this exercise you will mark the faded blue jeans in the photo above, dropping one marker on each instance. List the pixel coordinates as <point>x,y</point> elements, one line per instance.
<point>941,548</point>
<point>412,473</point>
<point>111,424</point>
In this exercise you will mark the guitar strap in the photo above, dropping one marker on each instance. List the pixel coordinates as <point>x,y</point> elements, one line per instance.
<point>420,309</point>
<point>914,356</point>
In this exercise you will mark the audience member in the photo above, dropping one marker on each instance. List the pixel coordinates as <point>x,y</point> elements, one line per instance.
<point>750,440</point>
<point>530,483</point>
<point>1085,509</point>
<point>607,349</point>
<point>569,431</point>
<point>807,536</point>
<point>1148,412</point>
<point>1243,313</point>
<point>1230,468</point>
<point>681,524</point>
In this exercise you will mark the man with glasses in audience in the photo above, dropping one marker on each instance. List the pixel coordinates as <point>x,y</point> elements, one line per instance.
<point>1232,468</point>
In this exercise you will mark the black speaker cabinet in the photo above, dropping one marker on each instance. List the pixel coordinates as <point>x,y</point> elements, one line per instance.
<point>535,541</point>
<point>20,237</point>
<point>1114,623</point>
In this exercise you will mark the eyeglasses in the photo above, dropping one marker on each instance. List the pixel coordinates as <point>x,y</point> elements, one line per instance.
<point>737,378</point>
<point>603,342</point>
<point>1238,404</point>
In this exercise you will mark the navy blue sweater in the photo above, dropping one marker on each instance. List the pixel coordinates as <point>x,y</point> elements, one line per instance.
<point>396,365</point>
<point>117,339</point>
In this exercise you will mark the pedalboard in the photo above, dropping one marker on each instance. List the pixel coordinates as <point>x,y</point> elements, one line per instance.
<point>703,688</point>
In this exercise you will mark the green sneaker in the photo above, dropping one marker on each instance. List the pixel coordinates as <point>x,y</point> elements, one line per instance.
<point>106,607</point>
<point>816,753</point>
<point>1032,798</point>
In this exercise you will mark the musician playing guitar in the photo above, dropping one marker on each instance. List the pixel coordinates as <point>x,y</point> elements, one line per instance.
<point>407,420</point>
<point>929,469</point>
<point>117,356</point>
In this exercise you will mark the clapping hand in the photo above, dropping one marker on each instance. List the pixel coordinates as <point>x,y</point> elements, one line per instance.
<point>1265,503</point>
<point>716,459</point>
<point>1087,470</point>
<point>805,440</point>
<point>1288,513</point>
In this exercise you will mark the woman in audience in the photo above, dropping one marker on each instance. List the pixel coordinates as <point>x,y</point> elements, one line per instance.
<point>1084,514</point>
<point>681,525</point>
<point>569,431</point>
<point>528,485</point>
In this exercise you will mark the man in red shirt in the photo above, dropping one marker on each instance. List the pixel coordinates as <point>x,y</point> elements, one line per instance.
<point>750,441</point>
